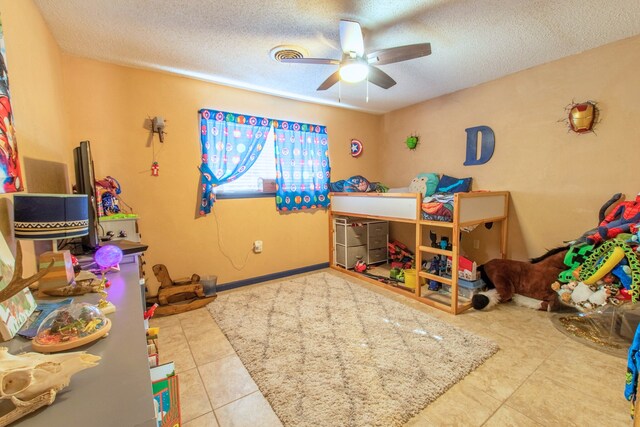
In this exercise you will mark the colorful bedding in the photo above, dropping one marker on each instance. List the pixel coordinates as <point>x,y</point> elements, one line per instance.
<point>438,207</point>
<point>357,184</point>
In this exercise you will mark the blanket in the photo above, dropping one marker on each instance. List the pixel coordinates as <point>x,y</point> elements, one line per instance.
<point>438,207</point>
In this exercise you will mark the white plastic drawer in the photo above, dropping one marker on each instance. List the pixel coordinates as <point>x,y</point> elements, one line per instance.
<point>377,255</point>
<point>347,256</point>
<point>379,229</point>
<point>354,236</point>
<point>377,242</point>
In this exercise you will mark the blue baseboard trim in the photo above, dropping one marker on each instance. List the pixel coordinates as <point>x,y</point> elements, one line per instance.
<point>272,276</point>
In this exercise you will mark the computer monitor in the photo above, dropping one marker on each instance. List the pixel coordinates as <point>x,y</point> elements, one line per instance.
<point>86,184</point>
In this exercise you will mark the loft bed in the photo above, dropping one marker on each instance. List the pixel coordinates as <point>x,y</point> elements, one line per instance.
<point>472,208</point>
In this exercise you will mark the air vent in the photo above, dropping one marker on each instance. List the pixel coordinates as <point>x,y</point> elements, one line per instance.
<point>279,53</point>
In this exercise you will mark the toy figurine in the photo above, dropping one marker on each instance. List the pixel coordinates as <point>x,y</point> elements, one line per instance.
<point>443,244</point>
<point>150,312</point>
<point>622,219</point>
<point>434,239</point>
<point>438,266</point>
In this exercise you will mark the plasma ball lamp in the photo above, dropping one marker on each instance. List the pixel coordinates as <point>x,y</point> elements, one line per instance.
<point>108,256</point>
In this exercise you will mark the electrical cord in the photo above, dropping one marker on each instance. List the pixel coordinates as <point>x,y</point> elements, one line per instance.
<point>121,200</point>
<point>220,246</point>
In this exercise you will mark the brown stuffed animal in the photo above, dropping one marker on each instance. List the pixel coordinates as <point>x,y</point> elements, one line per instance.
<point>532,280</point>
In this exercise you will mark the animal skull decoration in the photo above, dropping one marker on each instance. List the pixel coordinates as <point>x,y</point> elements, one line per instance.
<point>31,380</point>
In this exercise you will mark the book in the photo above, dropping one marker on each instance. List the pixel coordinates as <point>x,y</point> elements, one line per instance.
<point>166,397</point>
<point>153,360</point>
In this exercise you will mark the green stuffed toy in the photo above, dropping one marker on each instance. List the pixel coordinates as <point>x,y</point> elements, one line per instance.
<point>424,183</point>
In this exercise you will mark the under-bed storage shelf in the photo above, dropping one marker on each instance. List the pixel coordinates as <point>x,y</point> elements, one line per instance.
<point>468,209</point>
<point>357,239</point>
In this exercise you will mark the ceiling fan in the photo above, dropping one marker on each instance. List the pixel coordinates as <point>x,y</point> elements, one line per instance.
<point>356,65</point>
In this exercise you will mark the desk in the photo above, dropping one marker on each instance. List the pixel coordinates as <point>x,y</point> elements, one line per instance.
<point>117,392</point>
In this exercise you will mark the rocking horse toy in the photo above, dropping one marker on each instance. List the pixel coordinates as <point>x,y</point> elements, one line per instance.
<point>177,296</point>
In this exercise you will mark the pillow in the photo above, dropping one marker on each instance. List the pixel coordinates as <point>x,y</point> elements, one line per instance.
<point>424,183</point>
<point>449,184</point>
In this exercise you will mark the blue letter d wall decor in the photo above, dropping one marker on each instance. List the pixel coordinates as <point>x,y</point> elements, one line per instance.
<point>486,148</point>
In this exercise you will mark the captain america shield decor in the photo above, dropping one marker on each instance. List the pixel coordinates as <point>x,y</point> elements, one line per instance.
<point>356,148</point>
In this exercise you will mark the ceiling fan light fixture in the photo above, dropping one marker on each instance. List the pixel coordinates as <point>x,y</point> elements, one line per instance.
<point>354,71</point>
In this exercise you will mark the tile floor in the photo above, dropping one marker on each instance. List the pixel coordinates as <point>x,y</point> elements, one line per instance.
<point>538,378</point>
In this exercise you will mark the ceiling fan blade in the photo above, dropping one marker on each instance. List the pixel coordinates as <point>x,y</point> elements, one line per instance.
<point>399,53</point>
<point>380,78</point>
<point>311,61</point>
<point>331,80</point>
<point>351,37</point>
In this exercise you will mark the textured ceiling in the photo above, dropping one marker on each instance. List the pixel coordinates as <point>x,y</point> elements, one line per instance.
<point>473,41</point>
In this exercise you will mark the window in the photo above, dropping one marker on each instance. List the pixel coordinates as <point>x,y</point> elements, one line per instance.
<point>250,184</point>
<point>250,156</point>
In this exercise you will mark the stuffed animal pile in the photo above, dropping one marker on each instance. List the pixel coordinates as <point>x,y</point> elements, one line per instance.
<point>601,267</point>
<point>609,275</point>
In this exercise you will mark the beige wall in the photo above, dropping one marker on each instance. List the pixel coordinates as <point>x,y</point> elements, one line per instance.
<point>35,75</point>
<point>108,104</point>
<point>558,180</point>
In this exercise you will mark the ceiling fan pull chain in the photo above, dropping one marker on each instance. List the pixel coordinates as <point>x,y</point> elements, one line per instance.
<point>367,99</point>
<point>339,91</point>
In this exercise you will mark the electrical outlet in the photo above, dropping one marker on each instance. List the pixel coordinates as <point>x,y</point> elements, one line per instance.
<point>476,244</point>
<point>257,246</point>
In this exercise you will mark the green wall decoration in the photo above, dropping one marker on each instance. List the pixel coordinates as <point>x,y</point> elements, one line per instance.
<point>412,142</point>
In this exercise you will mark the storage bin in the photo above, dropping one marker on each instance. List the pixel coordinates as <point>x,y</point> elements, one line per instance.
<point>379,229</point>
<point>410,278</point>
<point>209,285</point>
<point>377,255</point>
<point>377,242</point>
<point>347,256</point>
<point>466,289</point>
<point>355,235</point>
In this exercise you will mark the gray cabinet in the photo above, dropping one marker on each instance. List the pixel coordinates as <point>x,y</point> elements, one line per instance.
<point>122,228</point>
<point>357,238</point>
<point>116,392</point>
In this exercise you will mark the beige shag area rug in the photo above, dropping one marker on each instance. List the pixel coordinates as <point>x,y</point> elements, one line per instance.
<point>328,352</point>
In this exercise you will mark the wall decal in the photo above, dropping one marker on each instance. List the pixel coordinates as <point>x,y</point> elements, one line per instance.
<point>412,142</point>
<point>581,117</point>
<point>356,147</point>
<point>486,148</point>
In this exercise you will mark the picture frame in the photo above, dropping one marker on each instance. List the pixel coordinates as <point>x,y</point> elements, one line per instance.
<point>166,395</point>
<point>15,311</point>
